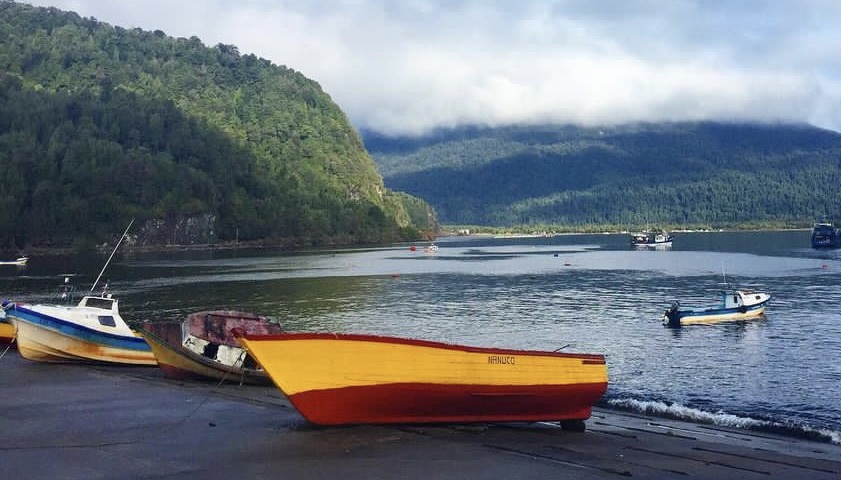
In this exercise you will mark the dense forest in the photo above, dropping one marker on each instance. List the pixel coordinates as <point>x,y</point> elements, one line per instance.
<point>691,175</point>
<point>100,124</point>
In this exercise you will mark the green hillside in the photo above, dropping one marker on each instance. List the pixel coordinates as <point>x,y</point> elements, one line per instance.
<point>684,174</point>
<point>100,124</point>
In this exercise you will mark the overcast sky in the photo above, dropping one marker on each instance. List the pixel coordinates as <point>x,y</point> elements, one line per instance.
<point>405,66</point>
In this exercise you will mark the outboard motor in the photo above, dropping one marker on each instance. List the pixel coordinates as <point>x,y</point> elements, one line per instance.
<point>671,314</point>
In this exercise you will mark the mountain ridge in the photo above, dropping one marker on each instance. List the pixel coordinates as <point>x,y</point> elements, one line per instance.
<point>698,174</point>
<point>200,144</point>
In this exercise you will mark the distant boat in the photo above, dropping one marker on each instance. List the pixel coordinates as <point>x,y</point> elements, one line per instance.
<point>825,235</point>
<point>202,346</point>
<point>17,261</point>
<point>733,305</point>
<point>337,379</point>
<point>651,239</point>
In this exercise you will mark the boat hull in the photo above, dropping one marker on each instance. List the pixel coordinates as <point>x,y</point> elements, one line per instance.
<point>44,339</point>
<point>710,316</point>
<point>7,333</point>
<point>825,236</point>
<point>180,363</point>
<point>336,379</point>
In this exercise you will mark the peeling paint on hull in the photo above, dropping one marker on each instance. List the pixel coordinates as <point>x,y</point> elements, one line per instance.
<point>181,364</point>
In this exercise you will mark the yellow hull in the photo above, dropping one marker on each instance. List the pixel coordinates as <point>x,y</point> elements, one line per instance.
<point>336,379</point>
<point>45,345</point>
<point>7,333</point>
<point>179,363</point>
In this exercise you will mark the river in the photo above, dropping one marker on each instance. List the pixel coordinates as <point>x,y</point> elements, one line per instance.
<point>582,293</point>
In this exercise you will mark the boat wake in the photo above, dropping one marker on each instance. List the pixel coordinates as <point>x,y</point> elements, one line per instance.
<point>682,412</point>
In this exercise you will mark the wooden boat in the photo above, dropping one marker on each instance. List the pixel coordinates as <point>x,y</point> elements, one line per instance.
<point>335,379</point>
<point>202,346</point>
<point>651,239</point>
<point>91,331</point>
<point>7,333</point>
<point>733,305</point>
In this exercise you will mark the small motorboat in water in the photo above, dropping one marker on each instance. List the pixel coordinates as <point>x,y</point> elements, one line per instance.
<point>734,304</point>
<point>825,235</point>
<point>20,261</point>
<point>652,239</point>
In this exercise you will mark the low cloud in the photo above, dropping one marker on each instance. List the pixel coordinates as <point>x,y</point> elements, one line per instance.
<point>410,66</point>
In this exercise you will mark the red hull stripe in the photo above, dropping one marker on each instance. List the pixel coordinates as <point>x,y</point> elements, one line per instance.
<point>422,403</point>
<point>588,358</point>
<point>171,371</point>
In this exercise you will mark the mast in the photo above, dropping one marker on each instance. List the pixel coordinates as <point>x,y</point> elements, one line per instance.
<point>112,255</point>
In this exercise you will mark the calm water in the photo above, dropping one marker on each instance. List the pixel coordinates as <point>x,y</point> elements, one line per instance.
<point>584,293</point>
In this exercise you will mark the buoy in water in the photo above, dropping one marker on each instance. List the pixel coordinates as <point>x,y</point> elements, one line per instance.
<point>413,248</point>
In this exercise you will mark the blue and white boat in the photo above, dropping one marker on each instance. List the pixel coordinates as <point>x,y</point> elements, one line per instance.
<point>734,304</point>
<point>825,235</point>
<point>91,331</point>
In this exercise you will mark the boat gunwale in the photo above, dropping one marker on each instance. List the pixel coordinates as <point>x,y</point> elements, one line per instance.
<point>594,358</point>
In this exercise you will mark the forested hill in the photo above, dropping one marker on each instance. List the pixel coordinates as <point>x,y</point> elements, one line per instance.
<point>713,175</point>
<point>100,124</point>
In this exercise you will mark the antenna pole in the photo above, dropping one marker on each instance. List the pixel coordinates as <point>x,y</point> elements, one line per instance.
<point>112,255</point>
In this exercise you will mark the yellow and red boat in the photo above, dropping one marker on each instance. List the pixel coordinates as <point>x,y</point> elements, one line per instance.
<point>7,333</point>
<point>336,379</point>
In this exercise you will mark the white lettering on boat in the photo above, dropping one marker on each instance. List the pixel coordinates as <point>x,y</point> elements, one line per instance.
<point>501,360</point>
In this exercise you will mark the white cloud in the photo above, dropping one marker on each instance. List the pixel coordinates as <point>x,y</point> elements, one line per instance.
<point>412,65</point>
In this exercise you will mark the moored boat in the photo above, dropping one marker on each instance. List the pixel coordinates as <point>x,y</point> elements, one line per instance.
<point>203,347</point>
<point>825,235</point>
<point>734,304</point>
<point>651,239</point>
<point>20,261</point>
<point>335,379</point>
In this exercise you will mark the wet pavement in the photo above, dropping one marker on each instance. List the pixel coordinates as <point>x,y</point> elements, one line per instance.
<point>103,422</point>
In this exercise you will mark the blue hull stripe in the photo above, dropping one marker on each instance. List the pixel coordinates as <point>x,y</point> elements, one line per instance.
<point>79,332</point>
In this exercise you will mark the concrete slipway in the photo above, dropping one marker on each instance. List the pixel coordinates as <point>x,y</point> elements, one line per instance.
<point>96,422</point>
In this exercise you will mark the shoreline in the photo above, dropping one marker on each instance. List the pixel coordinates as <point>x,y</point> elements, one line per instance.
<point>293,247</point>
<point>131,422</point>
